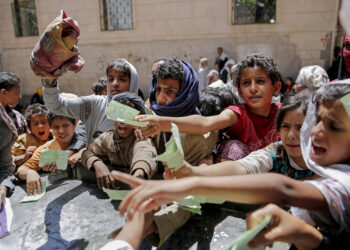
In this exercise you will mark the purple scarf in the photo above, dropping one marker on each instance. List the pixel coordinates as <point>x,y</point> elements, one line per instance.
<point>187,99</point>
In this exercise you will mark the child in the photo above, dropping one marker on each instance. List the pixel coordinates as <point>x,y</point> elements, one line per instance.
<point>119,146</point>
<point>325,141</point>
<point>10,93</point>
<point>63,132</point>
<point>26,144</point>
<point>100,87</point>
<point>214,100</point>
<point>122,77</point>
<point>283,157</point>
<point>251,123</point>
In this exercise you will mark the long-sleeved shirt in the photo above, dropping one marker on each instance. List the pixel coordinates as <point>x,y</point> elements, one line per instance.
<point>89,109</point>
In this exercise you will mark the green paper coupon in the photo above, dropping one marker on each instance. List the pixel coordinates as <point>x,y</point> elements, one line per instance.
<point>241,243</point>
<point>60,157</point>
<point>345,100</point>
<point>174,154</point>
<point>124,114</point>
<point>116,194</point>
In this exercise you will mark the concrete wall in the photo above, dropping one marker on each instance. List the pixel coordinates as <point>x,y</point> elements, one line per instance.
<point>303,34</point>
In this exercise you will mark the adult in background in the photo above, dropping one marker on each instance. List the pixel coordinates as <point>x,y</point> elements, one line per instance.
<point>221,59</point>
<point>203,73</point>
<point>225,73</point>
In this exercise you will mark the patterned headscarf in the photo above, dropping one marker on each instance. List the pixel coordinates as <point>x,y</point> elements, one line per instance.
<point>187,99</point>
<point>136,100</point>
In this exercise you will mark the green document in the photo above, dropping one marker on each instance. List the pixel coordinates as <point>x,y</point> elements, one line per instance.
<point>241,243</point>
<point>174,154</point>
<point>193,203</point>
<point>345,100</point>
<point>116,194</point>
<point>124,114</point>
<point>36,197</point>
<point>60,157</point>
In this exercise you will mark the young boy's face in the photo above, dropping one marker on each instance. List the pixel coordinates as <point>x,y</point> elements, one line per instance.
<point>118,82</point>
<point>12,95</point>
<point>123,130</point>
<point>39,126</point>
<point>331,135</point>
<point>62,130</point>
<point>256,89</point>
<point>166,90</point>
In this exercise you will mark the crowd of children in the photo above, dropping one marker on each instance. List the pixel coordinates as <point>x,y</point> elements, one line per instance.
<point>292,154</point>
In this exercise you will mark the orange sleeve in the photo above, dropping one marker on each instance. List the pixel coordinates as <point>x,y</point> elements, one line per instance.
<point>33,162</point>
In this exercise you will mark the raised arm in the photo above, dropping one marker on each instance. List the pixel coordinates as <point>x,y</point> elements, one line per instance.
<point>193,124</point>
<point>62,106</point>
<point>251,189</point>
<point>225,168</point>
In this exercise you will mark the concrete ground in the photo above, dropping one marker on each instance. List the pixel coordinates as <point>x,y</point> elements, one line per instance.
<point>76,215</point>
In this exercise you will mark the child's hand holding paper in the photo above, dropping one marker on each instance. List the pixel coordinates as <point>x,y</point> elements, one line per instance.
<point>174,154</point>
<point>58,157</point>
<point>124,114</point>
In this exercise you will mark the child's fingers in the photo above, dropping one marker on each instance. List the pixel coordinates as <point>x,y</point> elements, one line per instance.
<point>126,178</point>
<point>106,182</point>
<point>149,205</point>
<point>141,118</point>
<point>125,204</point>
<point>112,181</point>
<point>99,184</point>
<point>38,186</point>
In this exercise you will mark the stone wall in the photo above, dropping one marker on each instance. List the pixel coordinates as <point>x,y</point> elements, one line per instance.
<point>303,34</point>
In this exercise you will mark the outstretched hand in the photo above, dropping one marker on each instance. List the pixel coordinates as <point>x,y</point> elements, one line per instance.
<point>184,171</point>
<point>282,227</point>
<point>150,195</point>
<point>154,126</point>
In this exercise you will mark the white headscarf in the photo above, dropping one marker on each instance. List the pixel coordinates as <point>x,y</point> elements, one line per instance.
<point>338,172</point>
<point>134,79</point>
<point>312,77</point>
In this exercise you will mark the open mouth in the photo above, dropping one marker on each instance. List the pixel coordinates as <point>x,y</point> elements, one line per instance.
<point>121,128</point>
<point>62,136</point>
<point>316,150</point>
<point>41,133</point>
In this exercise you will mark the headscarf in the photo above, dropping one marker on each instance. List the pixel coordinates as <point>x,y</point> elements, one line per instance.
<point>313,77</point>
<point>230,61</point>
<point>136,100</point>
<point>186,101</point>
<point>337,172</point>
<point>134,79</point>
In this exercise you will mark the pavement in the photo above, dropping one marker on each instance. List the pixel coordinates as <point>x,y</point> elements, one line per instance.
<point>77,215</point>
